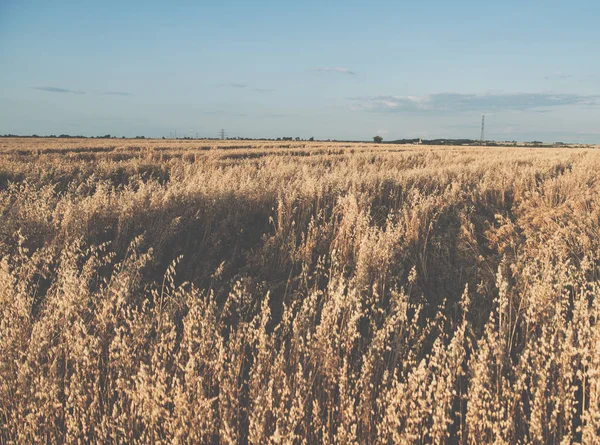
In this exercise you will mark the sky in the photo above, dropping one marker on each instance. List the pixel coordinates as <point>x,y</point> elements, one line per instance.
<point>345,70</point>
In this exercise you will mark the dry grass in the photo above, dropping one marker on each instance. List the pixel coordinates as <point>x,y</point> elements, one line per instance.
<point>260,292</point>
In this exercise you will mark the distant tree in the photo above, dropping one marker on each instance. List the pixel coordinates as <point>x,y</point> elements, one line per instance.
<point>378,139</point>
<point>312,139</point>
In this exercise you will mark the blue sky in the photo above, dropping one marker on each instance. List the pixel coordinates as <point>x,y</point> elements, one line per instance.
<point>328,69</point>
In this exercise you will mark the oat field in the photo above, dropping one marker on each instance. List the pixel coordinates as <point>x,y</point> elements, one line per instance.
<point>171,291</point>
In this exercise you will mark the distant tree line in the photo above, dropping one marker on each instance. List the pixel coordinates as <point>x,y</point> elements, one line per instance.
<point>467,142</point>
<point>108,136</point>
<point>376,139</point>
<point>65,136</point>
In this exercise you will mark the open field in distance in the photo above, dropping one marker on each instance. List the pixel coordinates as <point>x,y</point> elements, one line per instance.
<point>170,291</point>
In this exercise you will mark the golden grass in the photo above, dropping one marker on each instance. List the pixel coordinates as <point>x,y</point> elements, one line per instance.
<point>262,292</point>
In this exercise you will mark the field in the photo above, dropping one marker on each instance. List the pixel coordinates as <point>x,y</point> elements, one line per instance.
<point>158,291</point>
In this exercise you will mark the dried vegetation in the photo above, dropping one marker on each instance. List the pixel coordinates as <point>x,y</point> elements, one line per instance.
<point>234,292</point>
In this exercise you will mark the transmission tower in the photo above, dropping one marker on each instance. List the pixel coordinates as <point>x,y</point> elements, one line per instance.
<point>222,133</point>
<point>482,127</point>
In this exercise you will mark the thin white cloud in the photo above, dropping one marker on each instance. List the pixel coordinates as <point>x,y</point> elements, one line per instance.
<point>592,78</point>
<point>58,90</point>
<point>49,89</point>
<point>558,75</point>
<point>234,85</point>
<point>334,70</point>
<point>456,102</point>
<point>116,93</point>
<point>223,113</point>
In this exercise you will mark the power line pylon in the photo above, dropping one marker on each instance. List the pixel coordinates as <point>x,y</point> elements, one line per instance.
<point>482,128</point>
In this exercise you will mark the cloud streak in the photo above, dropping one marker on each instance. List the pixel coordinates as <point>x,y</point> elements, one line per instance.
<point>592,78</point>
<point>334,70</point>
<point>457,102</point>
<point>223,113</point>
<point>558,75</point>
<point>233,85</point>
<point>117,93</point>
<point>69,91</point>
<point>242,85</point>
<point>58,90</point>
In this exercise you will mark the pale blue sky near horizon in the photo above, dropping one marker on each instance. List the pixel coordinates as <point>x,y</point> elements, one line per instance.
<point>344,70</point>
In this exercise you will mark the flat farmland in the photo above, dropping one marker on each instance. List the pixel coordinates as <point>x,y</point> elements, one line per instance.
<point>202,291</point>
